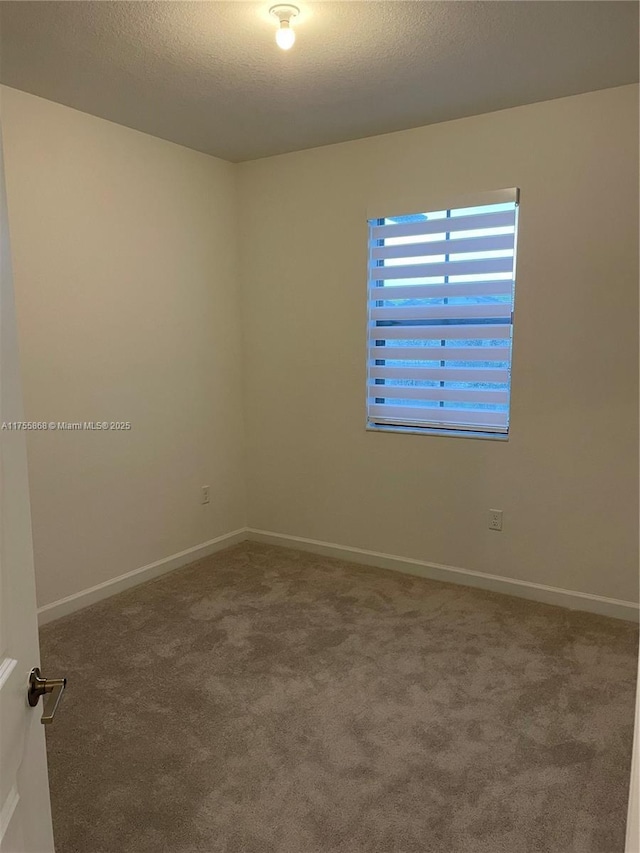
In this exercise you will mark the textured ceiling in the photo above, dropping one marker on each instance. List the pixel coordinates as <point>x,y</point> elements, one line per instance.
<point>208,75</point>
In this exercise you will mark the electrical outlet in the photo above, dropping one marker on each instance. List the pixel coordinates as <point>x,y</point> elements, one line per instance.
<point>205,495</point>
<point>495,519</point>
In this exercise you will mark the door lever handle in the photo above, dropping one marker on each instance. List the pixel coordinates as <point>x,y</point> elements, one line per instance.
<point>53,687</point>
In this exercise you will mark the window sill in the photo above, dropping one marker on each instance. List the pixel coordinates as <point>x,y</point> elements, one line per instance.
<point>444,433</point>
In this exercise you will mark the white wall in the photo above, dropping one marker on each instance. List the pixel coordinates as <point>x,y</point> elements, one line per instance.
<point>567,478</point>
<point>124,250</point>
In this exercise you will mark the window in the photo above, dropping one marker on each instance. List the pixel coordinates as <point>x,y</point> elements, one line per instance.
<point>440,292</point>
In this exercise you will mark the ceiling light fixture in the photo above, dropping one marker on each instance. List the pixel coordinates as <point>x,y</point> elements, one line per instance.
<point>284,12</point>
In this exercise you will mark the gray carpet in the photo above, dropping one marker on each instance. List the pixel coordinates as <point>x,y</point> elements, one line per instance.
<point>269,701</point>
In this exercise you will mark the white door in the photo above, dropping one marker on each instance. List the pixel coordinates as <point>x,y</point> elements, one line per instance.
<point>25,812</point>
<point>633,816</point>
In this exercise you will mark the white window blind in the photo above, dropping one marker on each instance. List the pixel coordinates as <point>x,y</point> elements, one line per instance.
<point>441,290</point>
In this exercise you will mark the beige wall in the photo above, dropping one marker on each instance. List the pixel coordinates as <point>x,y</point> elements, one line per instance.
<point>567,478</point>
<point>128,295</point>
<point>124,251</point>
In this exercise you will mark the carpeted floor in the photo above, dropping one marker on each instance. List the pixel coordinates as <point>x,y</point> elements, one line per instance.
<point>269,701</point>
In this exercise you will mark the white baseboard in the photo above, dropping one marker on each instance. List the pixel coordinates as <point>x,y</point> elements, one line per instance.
<point>85,597</point>
<point>450,574</point>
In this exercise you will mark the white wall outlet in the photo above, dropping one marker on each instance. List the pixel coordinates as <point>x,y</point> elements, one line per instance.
<point>206,498</point>
<point>495,519</point>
